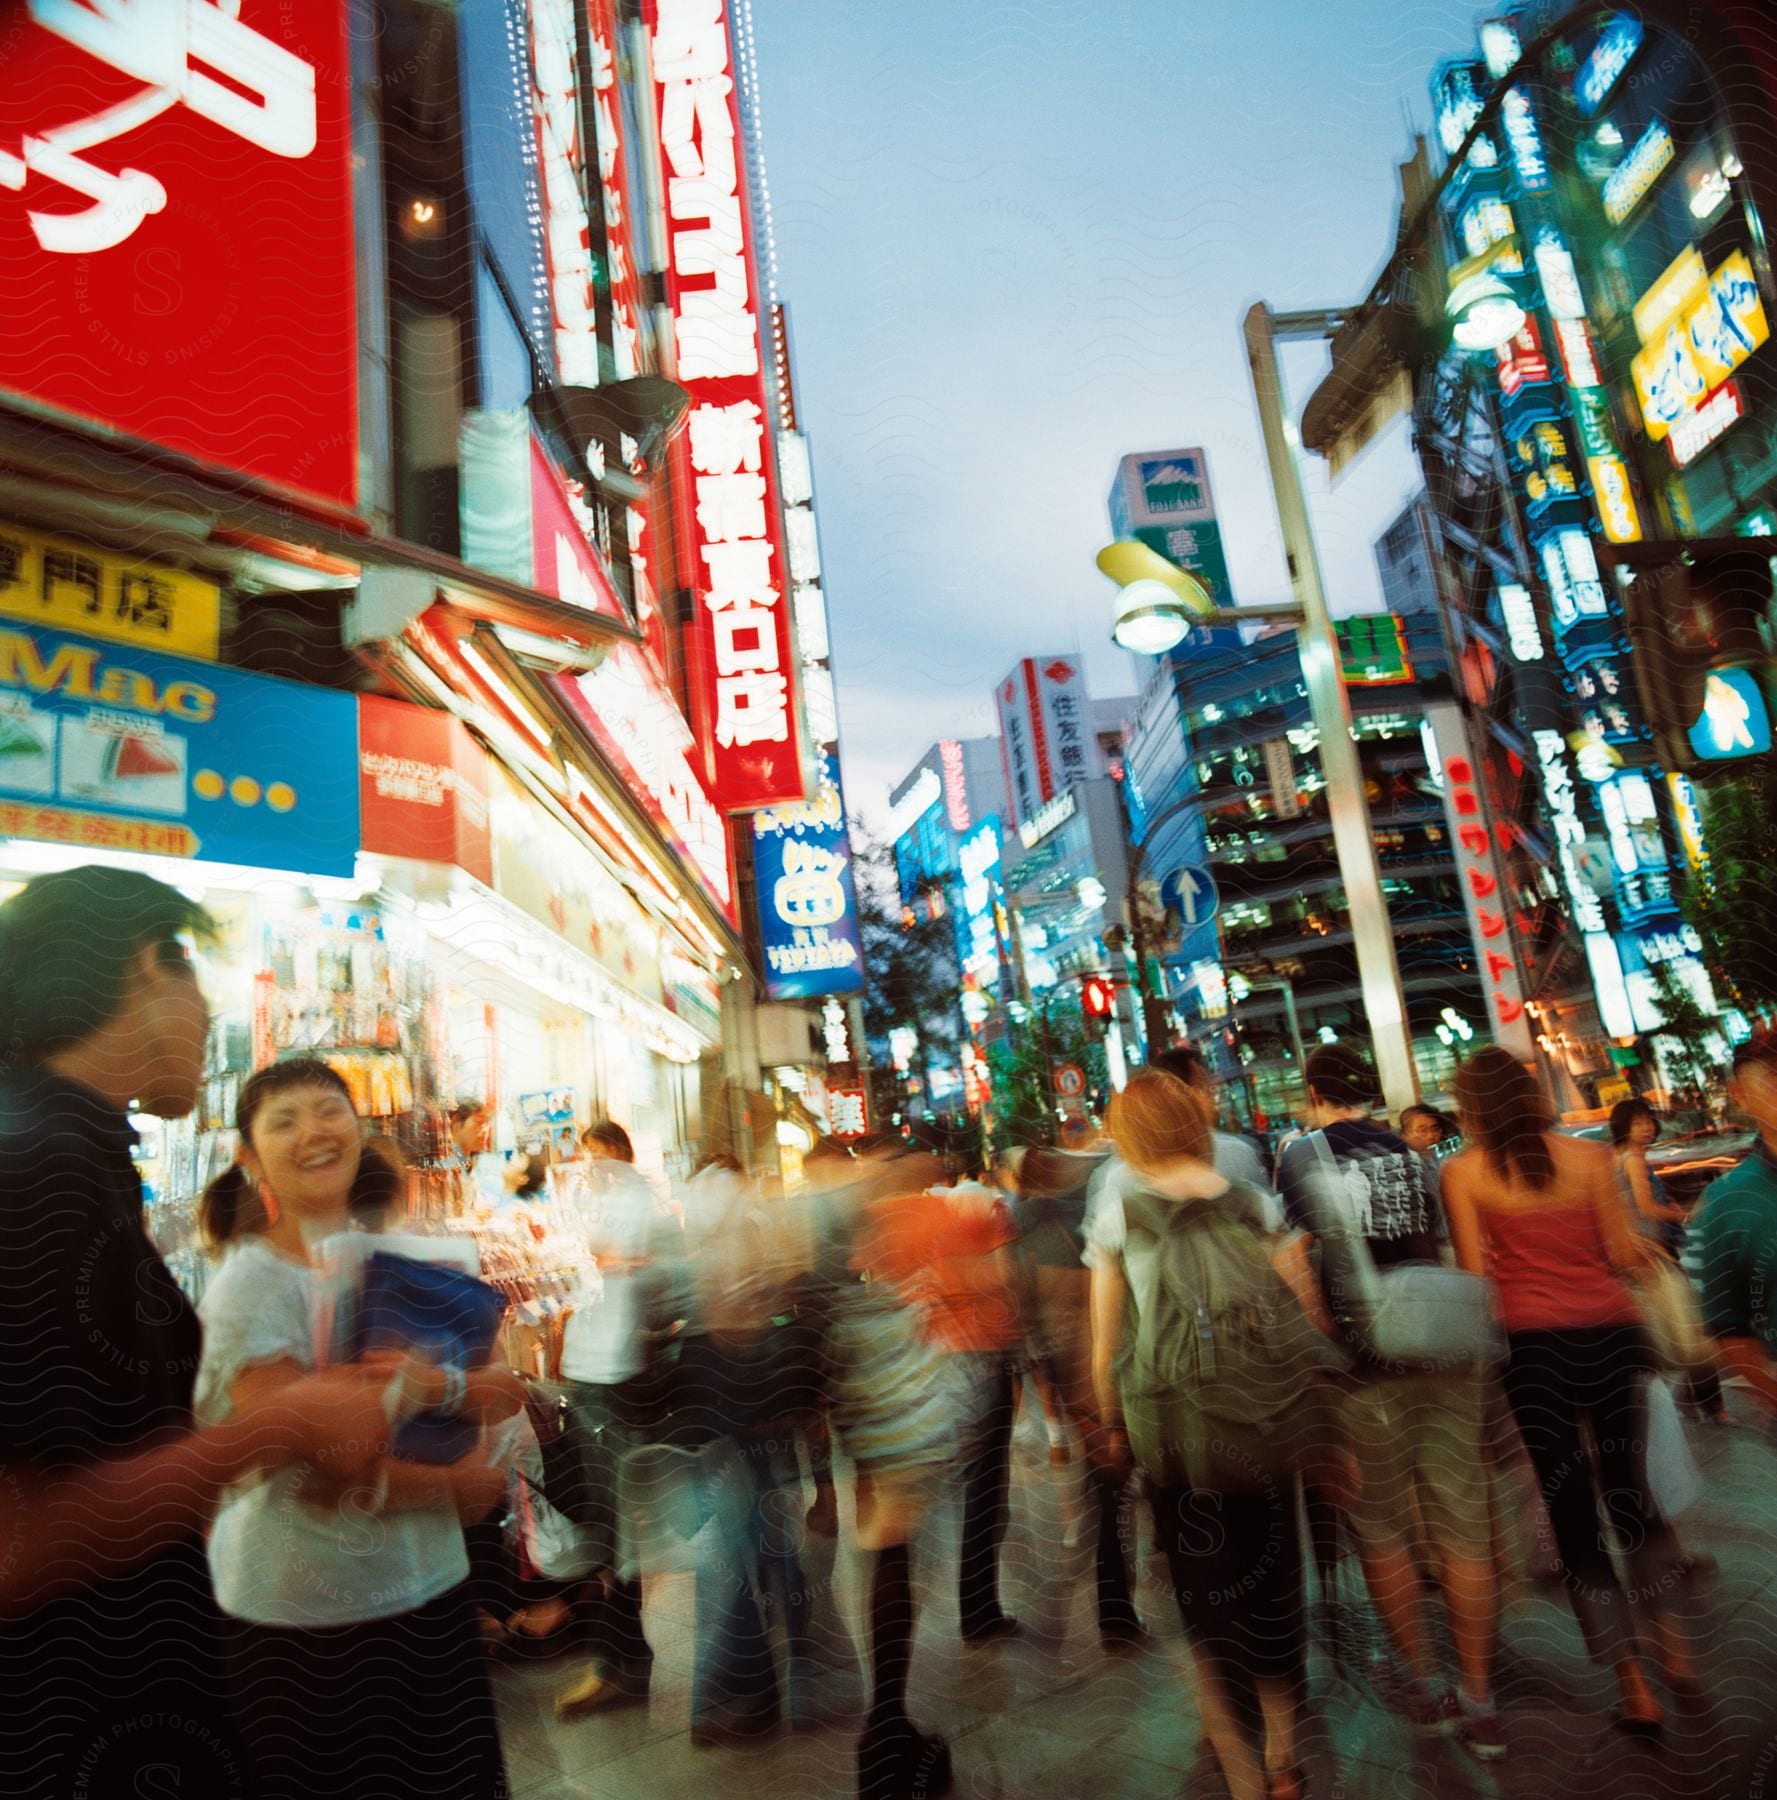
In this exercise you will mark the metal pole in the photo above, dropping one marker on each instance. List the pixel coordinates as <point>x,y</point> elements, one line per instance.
<point>1353,843</point>
<point>1153,1008</point>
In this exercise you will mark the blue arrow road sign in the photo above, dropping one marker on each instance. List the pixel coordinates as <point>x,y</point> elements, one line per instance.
<point>1191,893</point>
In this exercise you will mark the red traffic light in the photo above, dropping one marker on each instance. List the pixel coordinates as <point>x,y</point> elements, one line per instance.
<point>1097,998</point>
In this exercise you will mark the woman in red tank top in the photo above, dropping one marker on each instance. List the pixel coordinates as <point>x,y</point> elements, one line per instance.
<point>1544,1217</point>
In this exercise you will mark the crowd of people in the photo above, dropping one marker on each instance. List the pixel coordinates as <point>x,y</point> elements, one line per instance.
<point>220,1562</point>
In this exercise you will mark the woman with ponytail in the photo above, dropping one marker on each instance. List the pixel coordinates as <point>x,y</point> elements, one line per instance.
<point>354,1656</point>
<point>1543,1215</point>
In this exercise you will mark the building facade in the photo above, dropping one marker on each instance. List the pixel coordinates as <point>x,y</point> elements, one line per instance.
<point>446,610</point>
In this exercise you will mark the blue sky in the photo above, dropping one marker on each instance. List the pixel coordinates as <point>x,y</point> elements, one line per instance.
<point>1017,240</point>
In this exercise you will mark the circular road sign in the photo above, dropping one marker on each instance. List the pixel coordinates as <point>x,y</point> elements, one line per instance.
<point>1070,1080</point>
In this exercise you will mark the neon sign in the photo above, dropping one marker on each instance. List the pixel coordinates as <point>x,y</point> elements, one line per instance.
<point>1631,180</point>
<point>1611,55</point>
<point>1519,612</point>
<point>1525,141</point>
<point>744,674</point>
<point>1697,332</point>
<point>1696,430</point>
<point>567,233</point>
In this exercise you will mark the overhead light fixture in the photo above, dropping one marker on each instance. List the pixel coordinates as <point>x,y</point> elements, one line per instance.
<point>1159,602</point>
<point>551,656</point>
<point>1484,313</point>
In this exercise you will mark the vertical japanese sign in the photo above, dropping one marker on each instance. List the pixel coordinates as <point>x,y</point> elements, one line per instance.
<point>1483,893</point>
<point>176,230</point>
<point>1163,499</point>
<point>567,230</point>
<point>808,905</point>
<point>744,660</point>
<point>1046,731</point>
<point>622,276</point>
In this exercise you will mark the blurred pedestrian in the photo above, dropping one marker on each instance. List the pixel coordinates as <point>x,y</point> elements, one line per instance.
<point>890,1407</point>
<point>1203,1353</point>
<point>110,1639</point>
<point>1735,1252</point>
<point>1634,1129</point>
<point>1424,1128</point>
<point>1051,1218</point>
<point>1425,1474</point>
<point>949,1249</point>
<point>355,1662</point>
<point>603,1358</point>
<point>1543,1215</point>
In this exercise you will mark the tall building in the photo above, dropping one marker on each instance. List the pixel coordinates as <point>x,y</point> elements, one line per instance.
<point>1225,725</point>
<point>1406,560</point>
<point>1617,192</point>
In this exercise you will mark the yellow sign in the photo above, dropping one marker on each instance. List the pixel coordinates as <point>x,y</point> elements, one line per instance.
<point>1726,327</point>
<point>1616,499</point>
<point>1690,820</point>
<point>1708,330</point>
<point>73,587</point>
<point>1679,286</point>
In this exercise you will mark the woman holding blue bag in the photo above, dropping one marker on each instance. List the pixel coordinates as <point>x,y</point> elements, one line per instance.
<point>353,1649</point>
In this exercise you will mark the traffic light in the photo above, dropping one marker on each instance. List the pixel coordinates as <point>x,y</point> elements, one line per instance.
<point>1098,1000</point>
<point>1700,617</point>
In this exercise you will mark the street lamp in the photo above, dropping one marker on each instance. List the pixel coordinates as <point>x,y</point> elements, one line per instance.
<point>1130,563</point>
<point>1483,312</point>
<point>1157,601</point>
<point>1354,844</point>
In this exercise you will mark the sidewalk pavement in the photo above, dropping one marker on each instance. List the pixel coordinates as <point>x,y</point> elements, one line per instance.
<point>1052,1714</point>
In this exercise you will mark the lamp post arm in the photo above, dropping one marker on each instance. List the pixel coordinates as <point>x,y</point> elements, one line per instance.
<point>1354,845</point>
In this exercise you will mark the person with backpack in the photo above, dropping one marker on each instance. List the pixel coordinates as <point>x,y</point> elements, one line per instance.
<point>1211,1376</point>
<point>1421,1336</point>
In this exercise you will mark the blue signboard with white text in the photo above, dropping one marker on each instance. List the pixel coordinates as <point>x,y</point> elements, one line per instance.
<point>122,749</point>
<point>808,904</point>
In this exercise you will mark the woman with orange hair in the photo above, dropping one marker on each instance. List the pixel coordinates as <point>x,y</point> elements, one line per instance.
<point>1203,1354</point>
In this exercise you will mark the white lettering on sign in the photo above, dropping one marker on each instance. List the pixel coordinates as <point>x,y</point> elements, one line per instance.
<point>1570,833</point>
<point>956,787</point>
<point>1519,612</point>
<point>266,95</point>
<point>752,691</point>
<point>717,330</point>
<point>1525,141</point>
<point>567,228</point>
<point>1561,282</point>
<point>1693,432</point>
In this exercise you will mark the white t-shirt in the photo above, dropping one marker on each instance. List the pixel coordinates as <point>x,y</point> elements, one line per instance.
<point>1235,1158</point>
<point>276,1559</point>
<point>612,1212</point>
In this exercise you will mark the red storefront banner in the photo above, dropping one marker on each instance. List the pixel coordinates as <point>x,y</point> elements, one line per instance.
<point>563,561</point>
<point>422,786</point>
<point>742,657</point>
<point>176,230</point>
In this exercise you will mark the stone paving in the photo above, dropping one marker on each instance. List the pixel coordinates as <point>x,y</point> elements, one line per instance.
<point>1052,1714</point>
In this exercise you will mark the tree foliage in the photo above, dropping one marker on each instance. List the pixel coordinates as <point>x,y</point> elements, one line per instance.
<point>1734,905</point>
<point>910,974</point>
<point>1020,1066</point>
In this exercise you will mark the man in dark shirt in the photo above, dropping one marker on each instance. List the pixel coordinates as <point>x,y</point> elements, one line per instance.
<point>1733,1246</point>
<point>108,1630</point>
<point>1424,1471</point>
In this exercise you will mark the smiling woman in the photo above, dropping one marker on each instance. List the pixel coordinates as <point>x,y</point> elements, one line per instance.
<point>346,1602</point>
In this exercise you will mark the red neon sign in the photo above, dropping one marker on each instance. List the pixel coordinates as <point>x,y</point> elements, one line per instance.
<point>176,230</point>
<point>743,658</point>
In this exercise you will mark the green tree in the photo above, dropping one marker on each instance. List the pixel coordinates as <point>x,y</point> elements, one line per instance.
<point>1023,1082</point>
<point>1733,904</point>
<point>1691,1025</point>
